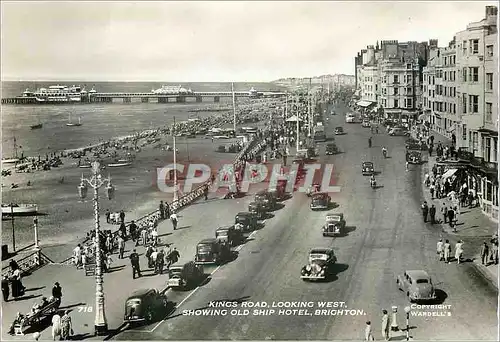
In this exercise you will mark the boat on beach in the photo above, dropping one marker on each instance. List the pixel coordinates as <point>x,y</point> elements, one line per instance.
<point>14,159</point>
<point>37,126</point>
<point>120,164</point>
<point>19,209</point>
<point>72,124</point>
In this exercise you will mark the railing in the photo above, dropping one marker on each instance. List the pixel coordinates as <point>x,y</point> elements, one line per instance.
<point>29,263</point>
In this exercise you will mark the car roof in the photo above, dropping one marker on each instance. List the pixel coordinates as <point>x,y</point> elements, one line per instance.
<point>418,274</point>
<point>338,127</point>
<point>225,228</point>
<point>244,213</point>
<point>320,194</point>
<point>320,250</point>
<point>207,241</point>
<point>367,163</point>
<point>335,214</point>
<point>180,264</point>
<point>140,293</point>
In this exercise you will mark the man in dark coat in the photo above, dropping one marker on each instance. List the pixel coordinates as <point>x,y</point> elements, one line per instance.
<point>162,210</point>
<point>432,214</point>
<point>133,230</point>
<point>5,288</point>
<point>425,211</point>
<point>122,216</point>
<point>173,257</point>
<point>134,261</point>
<point>57,292</point>
<point>451,216</point>
<point>160,261</point>
<point>485,253</point>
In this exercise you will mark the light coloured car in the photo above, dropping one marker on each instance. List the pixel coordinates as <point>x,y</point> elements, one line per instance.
<point>417,285</point>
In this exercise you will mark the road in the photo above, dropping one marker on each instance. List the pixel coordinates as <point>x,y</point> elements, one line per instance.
<point>386,236</point>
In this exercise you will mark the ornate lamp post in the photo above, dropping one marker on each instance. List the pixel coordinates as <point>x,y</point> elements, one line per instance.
<point>96,182</point>
<point>407,310</point>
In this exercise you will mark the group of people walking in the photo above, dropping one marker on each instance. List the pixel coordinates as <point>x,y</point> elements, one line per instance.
<point>489,253</point>
<point>386,327</point>
<point>443,249</point>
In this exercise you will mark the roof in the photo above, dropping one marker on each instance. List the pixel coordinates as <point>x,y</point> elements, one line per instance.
<point>320,194</point>
<point>207,241</point>
<point>139,293</point>
<point>244,213</point>
<point>367,163</point>
<point>418,274</point>
<point>320,250</point>
<point>224,228</point>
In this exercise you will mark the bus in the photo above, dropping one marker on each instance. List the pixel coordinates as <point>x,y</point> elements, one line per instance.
<point>319,134</point>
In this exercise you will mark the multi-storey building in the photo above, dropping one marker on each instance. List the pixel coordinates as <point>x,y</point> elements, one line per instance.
<point>390,76</point>
<point>461,96</point>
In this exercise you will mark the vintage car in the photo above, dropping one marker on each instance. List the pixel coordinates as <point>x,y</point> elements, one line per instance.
<point>266,198</point>
<point>229,235</point>
<point>247,221</point>
<point>212,251</point>
<point>339,130</point>
<point>414,157</point>
<point>145,305</point>
<point>367,169</point>
<point>398,131</point>
<point>331,149</point>
<point>365,124</point>
<point>183,275</point>
<point>412,144</point>
<point>259,209</point>
<point>334,225</point>
<point>319,265</point>
<point>417,285</point>
<point>332,112</point>
<point>320,201</point>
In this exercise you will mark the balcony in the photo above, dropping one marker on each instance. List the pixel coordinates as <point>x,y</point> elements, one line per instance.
<point>485,166</point>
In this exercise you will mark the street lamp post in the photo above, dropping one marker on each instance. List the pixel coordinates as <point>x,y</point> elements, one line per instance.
<point>96,182</point>
<point>407,310</point>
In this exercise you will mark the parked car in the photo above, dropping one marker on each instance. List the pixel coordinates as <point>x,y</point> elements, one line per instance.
<point>417,285</point>
<point>320,201</point>
<point>414,157</point>
<point>229,235</point>
<point>334,225</point>
<point>331,149</point>
<point>145,305</point>
<point>247,220</point>
<point>398,131</point>
<point>339,130</point>
<point>182,275</point>
<point>266,198</point>
<point>259,209</point>
<point>319,264</point>
<point>367,169</point>
<point>212,251</point>
<point>365,124</point>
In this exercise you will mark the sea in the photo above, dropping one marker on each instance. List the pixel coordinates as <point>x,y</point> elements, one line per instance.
<point>65,218</point>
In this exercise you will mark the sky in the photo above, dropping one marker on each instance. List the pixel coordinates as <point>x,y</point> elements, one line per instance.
<point>211,41</point>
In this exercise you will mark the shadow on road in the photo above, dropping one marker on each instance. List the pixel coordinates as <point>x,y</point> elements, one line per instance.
<point>333,205</point>
<point>278,206</point>
<point>347,230</point>
<point>34,289</point>
<point>440,296</point>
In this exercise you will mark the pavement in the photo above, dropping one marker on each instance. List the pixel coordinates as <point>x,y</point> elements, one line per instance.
<point>385,237</point>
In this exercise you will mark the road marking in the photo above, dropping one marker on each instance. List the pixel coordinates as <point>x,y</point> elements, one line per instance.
<point>182,302</point>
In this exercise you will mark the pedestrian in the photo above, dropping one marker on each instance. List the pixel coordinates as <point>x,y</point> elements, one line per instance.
<point>451,218</point>
<point>432,214</point>
<point>444,212</point>
<point>57,292</point>
<point>430,150</point>
<point>459,250</point>
<point>16,284</point>
<point>149,251</point>
<point>425,211</point>
<point>56,326</point>
<point>66,326</point>
<point>121,247</point>
<point>447,251</point>
<point>122,216</point>
<point>368,332</point>
<point>134,261</point>
<point>385,325</point>
<point>205,192</point>
<point>160,261</point>
<point>162,210</point>
<point>144,236</point>
<point>494,249</point>
<point>432,188</point>
<point>427,180</point>
<point>485,253</point>
<point>123,230</point>
<point>174,256</point>
<point>406,165</point>
<point>108,216</point>
<point>440,249</point>
<point>77,253</point>
<point>167,209</point>
<point>173,218</point>
<point>154,236</point>
<point>132,228</point>
<point>5,288</point>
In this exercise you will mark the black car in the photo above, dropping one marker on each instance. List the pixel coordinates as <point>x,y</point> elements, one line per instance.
<point>320,201</point>
<point>331,149</point>
<point>259,209</point>
<point>339,130</point>
<point>266,198</point>
<point>414,157</point>
<point>247,220</point>
<point>145,305</point>
<point>367,169</point>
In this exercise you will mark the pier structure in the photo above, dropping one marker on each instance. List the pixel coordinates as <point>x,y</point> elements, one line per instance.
<point>147,97</point>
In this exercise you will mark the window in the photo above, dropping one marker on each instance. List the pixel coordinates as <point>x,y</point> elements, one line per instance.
<point>396,91</point>
<point>489,50</point>
<point>445,91</point>
<point>446,106</point>
<point>474,46</point>
<point>445,74</point>
<point>385,91</point>
<point>409,79</point>
<point>454,59</point>
<point>464,47</point>
<point>464,103</point>
<point>396,104</point>
<point>489,81</point>
<point>408,66</point>
<point>464,74</point>
<point>489,112</point>
<point>433,80</point>
<point>487,149</point>
<point>408,91</point>
<point>464,132</point>
<point>474,141</point>
<point>473,103</point>
<point>474,74</point>
<point>494,154</point>
<point>409,103</point>
<point>396,79</point>
<point>376,87</point>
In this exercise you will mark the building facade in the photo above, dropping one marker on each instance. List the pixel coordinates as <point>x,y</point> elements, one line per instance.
<point>461,100</point>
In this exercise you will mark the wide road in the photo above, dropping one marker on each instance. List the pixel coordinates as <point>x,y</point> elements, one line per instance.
<point>386,236</point>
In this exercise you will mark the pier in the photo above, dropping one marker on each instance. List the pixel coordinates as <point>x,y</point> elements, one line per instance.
<point>197,97</point>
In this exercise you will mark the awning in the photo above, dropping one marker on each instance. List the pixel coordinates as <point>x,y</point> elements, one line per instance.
<point>293,119</point>
<point>364,103</point>
<point>449,173</point>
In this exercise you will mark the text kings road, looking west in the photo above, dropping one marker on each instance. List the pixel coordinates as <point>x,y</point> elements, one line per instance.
<point>298,179</point>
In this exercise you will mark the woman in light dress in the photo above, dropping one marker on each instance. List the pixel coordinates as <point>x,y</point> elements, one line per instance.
<point>56,326</point>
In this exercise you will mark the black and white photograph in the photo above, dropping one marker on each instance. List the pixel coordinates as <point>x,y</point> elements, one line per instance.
<point>249,170</point>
